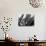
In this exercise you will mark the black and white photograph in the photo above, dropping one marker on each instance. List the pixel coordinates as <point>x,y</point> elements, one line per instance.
<point>26,20</point>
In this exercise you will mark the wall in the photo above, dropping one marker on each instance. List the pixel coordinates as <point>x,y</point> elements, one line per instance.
<point>14,8</point>
<point>45,28</point>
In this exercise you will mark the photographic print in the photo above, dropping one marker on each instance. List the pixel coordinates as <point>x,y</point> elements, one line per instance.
<point>26,20</point>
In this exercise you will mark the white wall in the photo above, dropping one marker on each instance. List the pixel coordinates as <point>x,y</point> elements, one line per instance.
<point>45,28</point>
<point>14,8</point>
